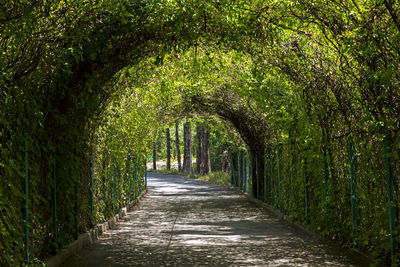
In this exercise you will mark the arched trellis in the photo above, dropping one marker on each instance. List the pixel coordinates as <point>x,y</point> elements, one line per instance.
<point>51,110</point>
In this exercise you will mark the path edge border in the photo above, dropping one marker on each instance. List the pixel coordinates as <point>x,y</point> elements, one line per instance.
<point>88,238</point>
<point>354,254</point>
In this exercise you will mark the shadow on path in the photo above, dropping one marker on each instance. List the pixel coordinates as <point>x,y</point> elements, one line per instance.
<point>186,222</point>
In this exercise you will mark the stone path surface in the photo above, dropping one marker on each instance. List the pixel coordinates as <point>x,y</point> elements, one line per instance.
<point>187,222</point>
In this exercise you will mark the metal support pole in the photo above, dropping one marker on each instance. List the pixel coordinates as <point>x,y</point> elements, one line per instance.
<point>353,192</point>
<point>231,169</point>
<point>257,180</point>
<point>279,183</point>
<point>112,186</point>
<point>129,178</point>
<point>233,178</point>
<point>104,189</point>
<point>145,173</point>
<point>389,182</point>
<point>76,208</point>
<point>326,180</point>
<point>306,191</point>
<point>272,175</point>
<point>91,190</point>
<point>265,176</point>
<point>238,162</point>
<point>247,171</point>
<point>244,173</point>
<point>250,181</point>
<point>292,180</point>
<point>26,203</point>
<point>55,230</point>
<point>134,178</point>
<point>119,189</point>
<point>139,178</point>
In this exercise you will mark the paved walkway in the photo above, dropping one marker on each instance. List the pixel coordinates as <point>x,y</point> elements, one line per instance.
<point>186,222</point>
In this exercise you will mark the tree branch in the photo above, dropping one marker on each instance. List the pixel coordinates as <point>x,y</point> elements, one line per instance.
<point>392,13</point>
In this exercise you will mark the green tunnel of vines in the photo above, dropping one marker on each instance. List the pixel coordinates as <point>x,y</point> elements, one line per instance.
<point>96,81</point>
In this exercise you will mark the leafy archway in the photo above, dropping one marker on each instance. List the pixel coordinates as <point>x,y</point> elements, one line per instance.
<point>318,76</point>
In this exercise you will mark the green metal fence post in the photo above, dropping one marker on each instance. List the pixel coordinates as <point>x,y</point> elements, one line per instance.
<point>251,172</point>
<point>104,188</point>
<point>326,180</point>
<point>279,182</point>
<point>119,189</point>
<point>233,172</point>
<point>292,179</point>
<point>26,203</point>
<point>389,182</point>
<point>247,171</point>
<point>112,186</point>
<point>138,176</point>
<point>134,178</point>
<point>91,190</point>
<point>306,190</point>
<point>257,180</point>
<point>238,162</point>
<point>353,191</point>
<point>265,175</point>
<point>145,172</point>
<point>137,173</point>
<point>129,178</point>
<point>244,172</point>
<point>231,169</point>
<point>76,209</point>
<point>272,175</point>
<point>54,202</point>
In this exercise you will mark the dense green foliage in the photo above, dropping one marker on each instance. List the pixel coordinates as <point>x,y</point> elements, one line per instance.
<point>106,76</point>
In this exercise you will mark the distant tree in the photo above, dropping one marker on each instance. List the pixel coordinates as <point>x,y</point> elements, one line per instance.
<point>155,155</point>
<point>168,148</point>
<point>199,137</point>
<point>187,152</point>
<point>178,150</point>
<point>205,152</point>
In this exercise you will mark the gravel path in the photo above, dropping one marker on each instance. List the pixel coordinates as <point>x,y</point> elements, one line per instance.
<point>186,222</point>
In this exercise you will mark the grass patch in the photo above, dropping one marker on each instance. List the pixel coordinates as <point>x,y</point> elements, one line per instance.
<point>217,178</point>
<point>165,171</point>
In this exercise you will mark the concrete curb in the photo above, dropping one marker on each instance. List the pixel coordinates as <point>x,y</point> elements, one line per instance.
<point>355,255</point>
<point>91,236</point>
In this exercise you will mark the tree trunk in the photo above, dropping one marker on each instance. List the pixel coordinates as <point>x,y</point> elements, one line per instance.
<point>206,165</point>
<point>225,161</point>
<point>155,156</point>
<point>257,156</point>
<point>187,152</point>
<point>199,137</point>
<point>168,149</point>
<point>178,150</point>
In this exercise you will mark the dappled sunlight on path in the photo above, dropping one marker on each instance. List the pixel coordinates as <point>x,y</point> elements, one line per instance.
<point>186,222</point>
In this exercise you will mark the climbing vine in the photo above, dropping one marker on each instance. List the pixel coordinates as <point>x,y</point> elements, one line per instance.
<point>94,81</point>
